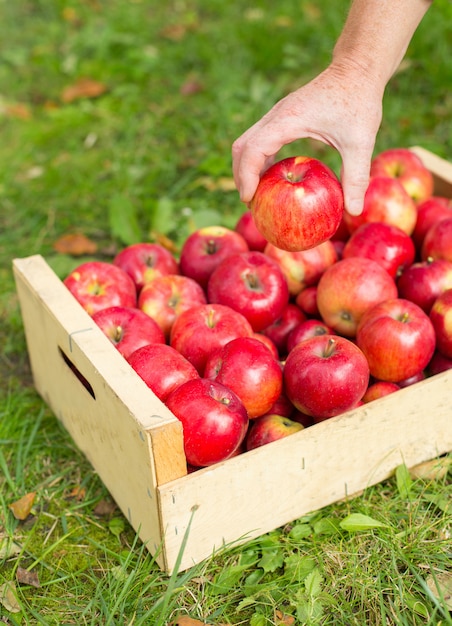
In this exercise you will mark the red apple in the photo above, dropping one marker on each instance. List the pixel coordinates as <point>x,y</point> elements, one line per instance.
<point>379,389</point>
<point>441,318</point>
<point>325,376</point>
<point>408,168</point>
<point>306,330</point>
<point>437,242</point>
<point>166,297</point>
<point>298,203</point>
<point>98,285</point>
<point>144,261</point>
<point>438,363</point>
<point>268,343</point>
<point>282,406</point>
<point>307,301</point>
<point>385,201</point>
<point>348,289</point>
<point>214,420</point>
<point>386,244</point>
<point>416,378</point>
<point>424,281</point>
<point>305,267</point>
<point>252,284</point>
<point>246,227</point>
<point>246,366</point>
<point>429,212</point>
<point>204,328</point>
<point>280,330</point>
<point>270,428</point>
<point>128,328</point>
<point>397,338</point>
<point>162,368</point>
<point>206,248</point>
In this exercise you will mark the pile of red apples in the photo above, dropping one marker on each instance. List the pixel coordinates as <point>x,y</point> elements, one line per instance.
<point>298,314</point>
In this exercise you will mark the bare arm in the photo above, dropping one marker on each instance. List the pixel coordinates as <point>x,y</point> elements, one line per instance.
<point>343,105</point>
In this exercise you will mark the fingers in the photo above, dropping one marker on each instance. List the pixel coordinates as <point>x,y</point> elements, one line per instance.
<point>355,176</point>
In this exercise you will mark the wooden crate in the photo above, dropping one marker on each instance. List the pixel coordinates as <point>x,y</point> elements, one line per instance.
<point>135,443</point>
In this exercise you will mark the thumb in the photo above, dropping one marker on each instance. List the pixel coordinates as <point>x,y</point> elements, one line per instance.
<point>355,180</point>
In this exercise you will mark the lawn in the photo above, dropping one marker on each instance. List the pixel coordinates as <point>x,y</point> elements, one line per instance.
<point>117,121</point>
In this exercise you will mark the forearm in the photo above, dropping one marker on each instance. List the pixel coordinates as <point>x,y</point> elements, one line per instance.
<point>376,35</point>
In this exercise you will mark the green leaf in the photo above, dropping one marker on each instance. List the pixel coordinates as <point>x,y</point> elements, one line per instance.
<point>313,583</point>
<point>356,522</point>
<point>257,619</point>
<point>300,531</point>
<point>207,217</point>
<point>443,502</point>
<point>163,219</point>
<point>116,526</point>
<point>272,559</point>
<point>404,481</point>
<point>122,216</point>
<point>227,579</point>
<point>326,526</point>
<point>298,568</point>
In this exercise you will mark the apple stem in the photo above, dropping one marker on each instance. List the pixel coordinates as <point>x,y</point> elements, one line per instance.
<point>118,334</point>
<point>211,246</point>
<point>404,318</point>
<point>330,348</point>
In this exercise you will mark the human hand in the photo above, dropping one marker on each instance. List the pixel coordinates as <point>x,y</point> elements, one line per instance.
<point>341,107</point>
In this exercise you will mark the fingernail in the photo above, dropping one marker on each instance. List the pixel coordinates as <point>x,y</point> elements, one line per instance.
<point>355,207</point>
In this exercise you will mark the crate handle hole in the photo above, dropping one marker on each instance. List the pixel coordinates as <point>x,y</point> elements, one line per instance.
<point>77,373</point>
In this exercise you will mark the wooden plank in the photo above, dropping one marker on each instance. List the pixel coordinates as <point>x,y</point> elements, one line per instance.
<point>112,415</point>
<point>440,168</point>
<point>266,488</point>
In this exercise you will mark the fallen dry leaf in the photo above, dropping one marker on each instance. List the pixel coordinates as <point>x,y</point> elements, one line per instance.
<point>78,493</point>
<point>190,87</point>
<point>104,508</point>
<point>17,110</point>
<point>223,183</point>
<point>8,547</point>
<point>83,88</point>
<point>282,619</point>
<point>436,469</point>
<point>175,32</point>
<point>441,587</point>
<point>163,240</point>
<point>25,577</point>
<point>8,597</point>
<point>75,244</point>
<point>22,507</point>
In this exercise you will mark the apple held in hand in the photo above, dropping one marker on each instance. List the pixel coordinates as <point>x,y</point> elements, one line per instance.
<point>270,428</point>
<point>97,285</point>
<point>385,201</point>
<point>128,328</point>
<point>145,261</point>
<point>408,168</point>
<point>166,297</point>
<point>162,368</point>
<point>325,376</point>
<point>441,318</point>
<point>397,338</point>
<point>202,329</point>
<point>303,268</point>
<point>214,420</point>
<point>424,281</point>
<point>252,284</point>
<point>389,246</point>
<point>246,366</point>
<point>206,248</point>
<point>298,203</point>
<point>348,289</point>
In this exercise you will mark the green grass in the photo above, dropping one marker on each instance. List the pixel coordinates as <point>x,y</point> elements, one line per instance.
<point>147,157</point>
